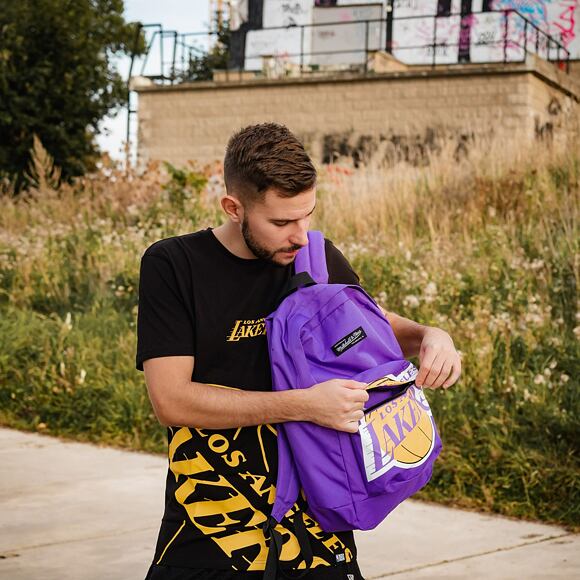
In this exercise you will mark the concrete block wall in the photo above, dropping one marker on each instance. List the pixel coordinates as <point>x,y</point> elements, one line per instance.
<point>384,118</point>
<point>575,69</point>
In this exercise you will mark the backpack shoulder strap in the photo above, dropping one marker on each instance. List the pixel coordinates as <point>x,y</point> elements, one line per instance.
<point>312,258</point>
<point>287,492</point>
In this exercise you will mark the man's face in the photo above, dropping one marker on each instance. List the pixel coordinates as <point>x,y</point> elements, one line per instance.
<point>276,229</point>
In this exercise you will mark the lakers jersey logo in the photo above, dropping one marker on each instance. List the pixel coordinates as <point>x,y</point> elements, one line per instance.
<point>247,329</point>
<point>398,433</point>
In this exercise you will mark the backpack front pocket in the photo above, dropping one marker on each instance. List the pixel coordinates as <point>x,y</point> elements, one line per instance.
<point>394,440</point>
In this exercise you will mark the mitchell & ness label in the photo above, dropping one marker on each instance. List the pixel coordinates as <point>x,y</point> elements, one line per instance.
<point>349,341</point>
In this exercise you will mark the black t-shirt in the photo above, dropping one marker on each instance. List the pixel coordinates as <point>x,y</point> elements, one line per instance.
<point>197,298</point>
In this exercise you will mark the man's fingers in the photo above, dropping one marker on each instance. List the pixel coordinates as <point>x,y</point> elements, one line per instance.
<point>425,368</point>
<point>431,372</point>
<point>361,396</point>
<point>355,384</point>
<point>454,376</point>
<point>358,397</point>
<point>443,375</point>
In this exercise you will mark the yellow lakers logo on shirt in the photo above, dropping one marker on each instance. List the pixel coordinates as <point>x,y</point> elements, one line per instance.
<point>247,329</point>
<point>231,508</point>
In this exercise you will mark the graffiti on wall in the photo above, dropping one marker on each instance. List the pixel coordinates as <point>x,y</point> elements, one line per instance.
<point>558,117</point>
<point>423,31</point>
<point>564,21</point>
<point>388,148</point>
<point>474,30</point>
<point>287,12</point>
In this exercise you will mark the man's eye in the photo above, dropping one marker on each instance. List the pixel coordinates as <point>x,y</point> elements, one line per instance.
<point>280,224</point>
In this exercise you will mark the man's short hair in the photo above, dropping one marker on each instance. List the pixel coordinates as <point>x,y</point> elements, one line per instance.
<point>264,156</point>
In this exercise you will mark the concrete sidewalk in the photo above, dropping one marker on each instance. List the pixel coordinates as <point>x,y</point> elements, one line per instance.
<point>74,511</point>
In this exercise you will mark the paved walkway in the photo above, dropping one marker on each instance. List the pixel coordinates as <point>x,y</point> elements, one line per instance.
<point>75,511</point>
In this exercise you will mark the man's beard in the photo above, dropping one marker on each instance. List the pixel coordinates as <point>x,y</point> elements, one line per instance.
<point>258,250</point>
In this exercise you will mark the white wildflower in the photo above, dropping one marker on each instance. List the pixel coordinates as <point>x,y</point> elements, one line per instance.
<point>411,300</point>
<point>511,384</point>
<point>430,292</point>
<point>539,379</point>
<point>485,349</point>
<point>382,297</point>
<point>534,315</point>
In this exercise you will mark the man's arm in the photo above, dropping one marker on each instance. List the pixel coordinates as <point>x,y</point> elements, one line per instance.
<point>440,364</point>
<point>177,401</point>
<point>409,334</point>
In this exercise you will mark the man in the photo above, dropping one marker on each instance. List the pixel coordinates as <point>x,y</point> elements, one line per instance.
<point>203,298</point>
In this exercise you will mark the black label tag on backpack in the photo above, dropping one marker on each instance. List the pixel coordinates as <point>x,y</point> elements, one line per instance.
<point>349,341</point>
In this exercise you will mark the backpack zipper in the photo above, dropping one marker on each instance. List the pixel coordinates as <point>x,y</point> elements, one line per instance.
<point>398,391</point>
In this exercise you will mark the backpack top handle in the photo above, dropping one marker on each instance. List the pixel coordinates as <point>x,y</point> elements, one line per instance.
<point>312,258</point>
<point>309,266</point>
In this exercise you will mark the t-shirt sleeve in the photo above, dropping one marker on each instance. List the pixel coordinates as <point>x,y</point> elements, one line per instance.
<point>165,325</point>
<point>339,269</point>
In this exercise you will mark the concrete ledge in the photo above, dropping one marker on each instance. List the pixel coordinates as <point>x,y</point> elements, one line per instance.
<point>533,65</point>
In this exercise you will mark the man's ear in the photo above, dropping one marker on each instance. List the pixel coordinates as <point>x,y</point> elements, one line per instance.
<point>233,208</point>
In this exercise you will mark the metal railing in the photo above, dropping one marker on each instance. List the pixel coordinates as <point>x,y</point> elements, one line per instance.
<point>518,33</point>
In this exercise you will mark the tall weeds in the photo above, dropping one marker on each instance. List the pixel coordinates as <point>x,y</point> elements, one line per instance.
<point>486,248</point>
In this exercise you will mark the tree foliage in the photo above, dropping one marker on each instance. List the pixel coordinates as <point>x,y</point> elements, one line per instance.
<point>200,66</point>
<point>58,80</point>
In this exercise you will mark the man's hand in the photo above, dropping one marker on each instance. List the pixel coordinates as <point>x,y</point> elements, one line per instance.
<point>440,365</point>
<point>337,404</point>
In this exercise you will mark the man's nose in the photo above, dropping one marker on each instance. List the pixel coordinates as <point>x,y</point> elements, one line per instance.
<point>300,236</point>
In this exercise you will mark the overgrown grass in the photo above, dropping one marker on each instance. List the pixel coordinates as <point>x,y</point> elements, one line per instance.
<point>486,249</point>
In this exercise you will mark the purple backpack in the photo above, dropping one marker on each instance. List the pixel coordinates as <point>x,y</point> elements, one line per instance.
<point>351,481</point>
